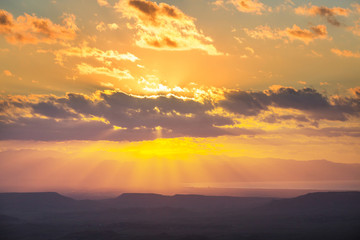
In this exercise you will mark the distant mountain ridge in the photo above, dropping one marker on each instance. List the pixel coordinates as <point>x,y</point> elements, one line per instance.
<point>55,202</point>
<point>318,202</point>
<point>135,216</point>
<point>192,202</point>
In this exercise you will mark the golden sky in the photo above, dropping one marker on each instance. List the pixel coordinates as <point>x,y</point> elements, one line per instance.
<point>170,92</point>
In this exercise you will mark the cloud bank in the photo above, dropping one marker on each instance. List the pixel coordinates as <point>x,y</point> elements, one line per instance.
<point>120,116</point>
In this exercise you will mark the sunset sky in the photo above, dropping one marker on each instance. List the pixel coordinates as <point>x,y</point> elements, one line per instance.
<point>148,95</point>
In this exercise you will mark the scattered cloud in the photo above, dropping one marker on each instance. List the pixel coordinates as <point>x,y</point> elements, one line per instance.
<point>356,7</point>
<point>315,54</point>
<point>101,26</point>
<point>29,29</point>
<point>356,28</point>
<point>285,6</point>
<point>7,73</point>
<point>113,26</point>
<point>345,53</point>
<point>305,35</point>
<point>328,13</point>
<point>86,69</point>
<point>218,3</point>
<point>249,49</point>
<point>89,52</point>
<point>263,32</point>
<point>294,33</point>
<point>103,3</point>
<point>239,40</point>
<point>250,6</point>
<point>164,27</point>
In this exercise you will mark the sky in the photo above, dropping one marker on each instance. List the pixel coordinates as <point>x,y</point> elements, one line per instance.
<point>151,95</point>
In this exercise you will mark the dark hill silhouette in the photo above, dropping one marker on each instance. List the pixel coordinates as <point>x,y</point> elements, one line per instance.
<point>32,205</point>
<point>329,203</point>
<point>34,201</point>
<point>44,216</point>
<point>192,202</point>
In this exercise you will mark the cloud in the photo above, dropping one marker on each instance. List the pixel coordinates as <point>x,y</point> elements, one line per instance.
<point>315,32</point>
<point>86,69</point>
<point>164,27</point>
<point>355,92</point>
<point>356,28</point>
<point>345,53</point>
<point>103,3</point>
<point>315,54</point>
<point>326,12</point>
<point>274,118</point>
<point>51,110</point>
<point>101,27</point>
<point>29,29</point>
<point>328,131</point>
<point>108,116</point>
<point>294,33</point>
<point>356,7</point>
<point>89,52</point>
<point>307,100</point>
<point>113,26</point>
<point>7,73</point>
<point>263,32</point>
<point>114,115</point>
<point>218,3</point>
<point>250,6</point>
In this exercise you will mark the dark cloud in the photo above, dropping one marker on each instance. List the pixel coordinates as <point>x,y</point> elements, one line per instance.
<point>328,13</point>
<point>308,100</point>
<point>5,18</point>
<point>275,118</point>
<point>152,10</point>
<point>327,131</point>
<point>303,99</point>
<point>48,109</point>
<point>245,103</point>
<point>114,116</point>
<point>146,7</point>
<point>121,116</point>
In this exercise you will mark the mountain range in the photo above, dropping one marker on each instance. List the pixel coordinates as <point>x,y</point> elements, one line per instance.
<point>49,215</point>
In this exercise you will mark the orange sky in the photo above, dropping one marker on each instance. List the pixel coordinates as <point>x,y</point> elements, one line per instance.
<point>157,91</point>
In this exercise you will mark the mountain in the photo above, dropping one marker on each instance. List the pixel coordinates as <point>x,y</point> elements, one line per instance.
<point>330,203</point>
<point>190,202</point>
<point>34,205</point>
<point>44,216</point>
<point>33,201</point>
